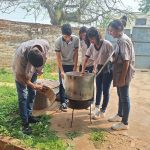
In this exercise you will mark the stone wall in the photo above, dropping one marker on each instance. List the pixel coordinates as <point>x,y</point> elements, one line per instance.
<point>14,33</point>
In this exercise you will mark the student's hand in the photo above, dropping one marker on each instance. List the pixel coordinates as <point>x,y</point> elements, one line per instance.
<point>94,71</point>
<point>38,87</point>
<point>40,73</point>
<point>121,82</point>
<point>44,89</point>
<point>63,74</point>
<point>82,73</point>
<point>75,68</point>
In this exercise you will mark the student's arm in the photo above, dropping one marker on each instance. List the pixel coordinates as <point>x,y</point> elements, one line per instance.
<point>123,73</point>
<point>23,80</point>
<point>75,59</point>
<point>58,56</point>
<point>37,87</point>
<point>59,63</point>
<point>110,50</point>
<point>125,53</point>
<point>95,68</point>
<point>86,58</point>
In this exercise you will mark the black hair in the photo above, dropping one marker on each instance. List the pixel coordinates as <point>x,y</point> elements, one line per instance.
<point>82,30</point>
<point>119,24</point>
<point>124,20</point>
<point>87,41</point>
<point>92,32</point>
<point>35,57</point>
<point>66,29</point>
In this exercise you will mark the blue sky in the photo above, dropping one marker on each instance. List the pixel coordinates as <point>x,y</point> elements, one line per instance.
<point>19,14</point>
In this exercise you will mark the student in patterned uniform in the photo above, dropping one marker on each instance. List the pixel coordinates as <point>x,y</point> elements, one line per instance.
<point>28,62</point>
<point>66,47</point>
<point>84,45</point>
<point>100,49</point>
<point>123,72</point>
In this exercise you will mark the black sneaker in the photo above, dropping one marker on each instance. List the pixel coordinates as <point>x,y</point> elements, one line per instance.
<point>33,119</point>
<point>64,107</point>
<point>26,129</point>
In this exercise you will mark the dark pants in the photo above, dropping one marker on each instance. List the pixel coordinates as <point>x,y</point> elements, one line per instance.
<point>124,103</point>
<point>26,96</point>
<point>103,82</point>
<point>89,69</point>
<point>67,68</point>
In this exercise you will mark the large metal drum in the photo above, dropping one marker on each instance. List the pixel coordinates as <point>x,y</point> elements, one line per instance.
<point>79,88</point>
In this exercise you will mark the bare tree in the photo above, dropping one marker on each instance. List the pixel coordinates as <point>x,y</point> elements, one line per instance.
<point>80,11</point>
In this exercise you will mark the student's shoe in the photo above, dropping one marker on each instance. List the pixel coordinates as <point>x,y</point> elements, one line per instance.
<point>120,126</point>
<point>102,113</point>
<point>64,107</point>
<point>98,115</point>
<point>26,129</point>
<point>115,118</point>
<point>95,113</point>
<point>33,119</point>
<point>94,110</point>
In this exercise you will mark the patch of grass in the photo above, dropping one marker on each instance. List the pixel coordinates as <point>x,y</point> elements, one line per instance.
<point>6,75</point>
<point>50,72</point>
<point>73,134</point>
<point>10,125</point>
<point>97,135</point>
<point>52,67</point>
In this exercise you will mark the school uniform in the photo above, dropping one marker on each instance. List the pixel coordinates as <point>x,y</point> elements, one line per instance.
<point>89,67</point>
<point>22,67</point>
<point>123,51</point>
<point>103,80</point>
<point>67,52</point>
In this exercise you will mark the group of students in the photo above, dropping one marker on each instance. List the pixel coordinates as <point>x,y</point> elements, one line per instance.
<point>30,58</point>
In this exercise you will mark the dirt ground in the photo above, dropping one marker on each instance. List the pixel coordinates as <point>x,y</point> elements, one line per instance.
<point>136,138</point>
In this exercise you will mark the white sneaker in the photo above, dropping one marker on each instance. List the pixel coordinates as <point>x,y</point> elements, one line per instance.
<point>99,114</point>
<point>102,114</point>
<point>115,118</point>
<point>120,126</point>
<point>94,110</point>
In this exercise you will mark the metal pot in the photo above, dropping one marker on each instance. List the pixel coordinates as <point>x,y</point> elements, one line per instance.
<point>79,88</point>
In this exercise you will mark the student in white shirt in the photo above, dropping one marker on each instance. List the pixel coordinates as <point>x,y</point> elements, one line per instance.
<point>100,49</point>
<point>124,60</point>
<point>84,45</point>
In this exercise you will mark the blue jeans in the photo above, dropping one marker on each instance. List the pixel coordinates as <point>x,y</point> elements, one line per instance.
<point>103,82</point>
<point>124,103</point>
<point>26,96</point>
<point>67,68</point>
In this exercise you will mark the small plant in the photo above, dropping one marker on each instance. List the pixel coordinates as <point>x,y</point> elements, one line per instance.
<point>97,135</point>
<point>72,134</point>
<point>42,136</point>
